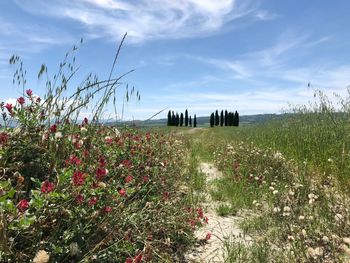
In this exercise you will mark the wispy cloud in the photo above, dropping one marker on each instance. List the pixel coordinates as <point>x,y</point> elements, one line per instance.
<point>147,19</point>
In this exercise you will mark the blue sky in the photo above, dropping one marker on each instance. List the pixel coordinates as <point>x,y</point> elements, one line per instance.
<point>251,56</point>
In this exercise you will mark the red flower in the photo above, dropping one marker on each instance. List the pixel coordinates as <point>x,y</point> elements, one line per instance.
<point>107,209</point>
<point>208,236</point>
<point>53,128</point>
<point>78,178</point>
<point>8,106</point>
<point>102,162</point>
<point>85,121</point>
<point>47,187</point>
<point>21,100</point>
<point>128,179</point>
<point>129,260</point>
<point>122,192</point>
<point>126,163</point>
<point>79,198</point>
<point>200,212</point>
<point>166,195</point>
<point>3,138</point>
<point>29,92</point>
<point>138,258</point>
<point>145,178</point>
<point>92,201</point>
<point>23,205</point>
<point>101,172</point>
<point>148,136</point>
<point>206,220</point>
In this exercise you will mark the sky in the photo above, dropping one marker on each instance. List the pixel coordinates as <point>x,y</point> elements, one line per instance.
<point>253,56</point>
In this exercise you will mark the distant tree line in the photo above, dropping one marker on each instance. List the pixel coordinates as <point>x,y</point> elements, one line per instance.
<point>181,120</point>
<point>224,119</point>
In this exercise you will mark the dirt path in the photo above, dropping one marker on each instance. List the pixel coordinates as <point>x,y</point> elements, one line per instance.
<point>221,228</point>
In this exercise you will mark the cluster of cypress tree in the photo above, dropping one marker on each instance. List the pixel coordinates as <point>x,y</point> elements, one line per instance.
<point>225,119</point>
<point>180,120</point>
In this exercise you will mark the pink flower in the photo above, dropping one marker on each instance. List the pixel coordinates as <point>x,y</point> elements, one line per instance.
<point>78,178</point>
<point>21,100</point>
<point>122,192</point>
<point>208,236</point>
<point>29,92</point>
<point>145,178</point>
<point>92,201</point>
<point>126,163</point>
<point>200,212</point>
<point>129,260</point>
<point>101,172</point>
<point>102,162</point>
<point>79,198</point>
<point>128,179</point>
<point>53,128</point>
<point>47,187</point>
<point>85,121</point>
<point>23,205</point>
<point>9,107</point>
<point>107,209</point>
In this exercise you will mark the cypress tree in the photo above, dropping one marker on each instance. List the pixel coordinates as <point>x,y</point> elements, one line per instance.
<point>177,121</point>
<point>217,118</point>
<point>212,120</point>
<point>195,121</point>
<point>222,118</point>
<point>230,119</point>
<point>186,118</point>
<point>236,119</point>
<point>169,118</point>
<point>173,119</point>
<point>226,117</point>
<point>181,119</point>
<point>190,121</point>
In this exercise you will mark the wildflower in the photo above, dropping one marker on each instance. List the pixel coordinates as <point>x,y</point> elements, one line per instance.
<point>126,163</point>
<point>107,209</point>
<point>129,260</point>
<point>206,220</point>
<point>47,187</point>
<point>303,232</point>
<point>138,258</point>
<point>271,188</point>
<point>3,138</point>
<point>21,100</point>
<point>276,210</point>
<point>275,192</point>
<point>79,198</point>
<point>29,92</point>
<point>58,135</point>
<point>325,239</point>
<point>74,249</point>
<point>122,192</point>
<point>301,218</point>
<point>128,179</point>
<point>83,129</point>
<point>85,121</point>
<point>102,162</point>
<point>166,195</point>
<point>101,172</point>
<point>78,178</point>
<point>200,212</point>
<point>208,236</point>
<point>9,107</point>
<point>53,128</point>
<point>286,209</point>
<point>291,193</point>
<point>314,253</point>
<point>23,205</point>
<point>92,201</point>
<point>290,238</point>
<point>102,185</point>
<point>117,132</point>
<point>41,257</point>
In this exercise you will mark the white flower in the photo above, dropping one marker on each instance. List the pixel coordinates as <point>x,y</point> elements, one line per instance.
<point>275,192</point>
<point>117,132</point>
<point>291,193</point>
<point>325,239</point>
<point>301,218</point>
<point>58,135</point>
<point>83,129</point>
<point>254,202</point>
<point>276,210</point>
<point>286,209</point>
<point>271,188</point>
<point>330,160</point>
<point>303,232</point>
<point>290,238</point>
<point>41,257</point>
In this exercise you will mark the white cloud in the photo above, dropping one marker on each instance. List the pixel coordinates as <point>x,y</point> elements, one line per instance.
<point>145,19</point>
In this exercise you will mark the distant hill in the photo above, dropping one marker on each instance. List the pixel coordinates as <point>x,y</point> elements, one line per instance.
<point>204,120</point>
